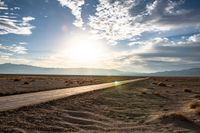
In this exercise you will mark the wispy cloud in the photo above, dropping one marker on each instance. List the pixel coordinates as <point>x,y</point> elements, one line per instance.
<point>3,6</point>
<point>75,6</point>
<point>16,60</point>
<point>18,49</point>
<point>11,24</point>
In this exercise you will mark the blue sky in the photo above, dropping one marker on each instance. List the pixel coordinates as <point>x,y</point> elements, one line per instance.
<point>131,35</point>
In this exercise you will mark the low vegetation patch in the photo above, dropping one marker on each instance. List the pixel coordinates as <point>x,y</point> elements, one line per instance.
<point>143,92</point>
<point>187,90</point>
<point>17,80</point>
<point>197,112</point>
<point>162,84</point>
<point>33,80</point>
<point>197,97</point>
<point>157,93</point>
<point>154,83</point>
<point>172,117</point>
<point>195,104</point>
<point>26,83</point>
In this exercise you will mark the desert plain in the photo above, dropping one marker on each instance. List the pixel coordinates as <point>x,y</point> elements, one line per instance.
<point>155,105</point>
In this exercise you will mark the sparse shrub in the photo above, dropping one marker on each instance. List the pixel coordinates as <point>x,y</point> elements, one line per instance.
<point>195,105</point>
<point>197,112</point>
<point>26,83</point>
<point>171,85</point>
<point>154,83</point>
<point>161,106</point>
<point>167,91</point>
<point>16,80</point>
<point>33,80</point>
<point>157,93</point>
<point>187,90</point>
<point>165,109</point>
<point>143,92</point>
<point>162,84</point>
<point>197,96</point>
<point>175,116</point>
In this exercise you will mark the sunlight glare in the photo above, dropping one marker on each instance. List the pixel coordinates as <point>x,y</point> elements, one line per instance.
<point>84,49</point>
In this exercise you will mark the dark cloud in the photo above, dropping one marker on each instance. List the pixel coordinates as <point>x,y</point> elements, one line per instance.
<point>191,17</point>
<point>166,65</point>
<point>165,12</point>
<point>139,7</point>
<point>163,54</point>
<point>173,51</point>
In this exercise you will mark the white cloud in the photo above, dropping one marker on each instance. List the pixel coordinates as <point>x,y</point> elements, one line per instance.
<point>150,44</point>
<point>14,48</point>
<point>117,20</point>
<point>194,38</point>
<point>113,22</point>
<point>14,26</point>
<point>75,6</point>
<point>17,8</point>
<point>121,20</point>
<point>15,60</point>
<point>3,6</point>
<point>23,43</point>
<point>10,24</point>
<point>27,19</point>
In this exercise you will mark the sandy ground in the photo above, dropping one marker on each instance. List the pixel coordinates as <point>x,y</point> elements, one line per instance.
<point>167,105</point>
<point>13,84</point>
<point>27,99</point>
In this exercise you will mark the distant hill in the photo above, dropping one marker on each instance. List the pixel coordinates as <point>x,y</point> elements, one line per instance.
<point>9,68</point>
<point>186,72</point>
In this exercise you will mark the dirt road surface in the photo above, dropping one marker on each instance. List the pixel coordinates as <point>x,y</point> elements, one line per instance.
<point>20,100</point>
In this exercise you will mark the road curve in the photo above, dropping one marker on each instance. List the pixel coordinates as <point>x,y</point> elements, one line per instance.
<point>20,100</point>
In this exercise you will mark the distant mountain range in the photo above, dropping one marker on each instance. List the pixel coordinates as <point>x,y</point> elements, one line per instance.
<point>186,72</point>
<point>9,68</point>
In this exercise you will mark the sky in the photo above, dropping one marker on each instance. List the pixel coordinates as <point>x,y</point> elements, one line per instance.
<point>128,35</point>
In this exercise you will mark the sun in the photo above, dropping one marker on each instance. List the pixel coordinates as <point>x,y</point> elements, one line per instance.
<point>84,49</point>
